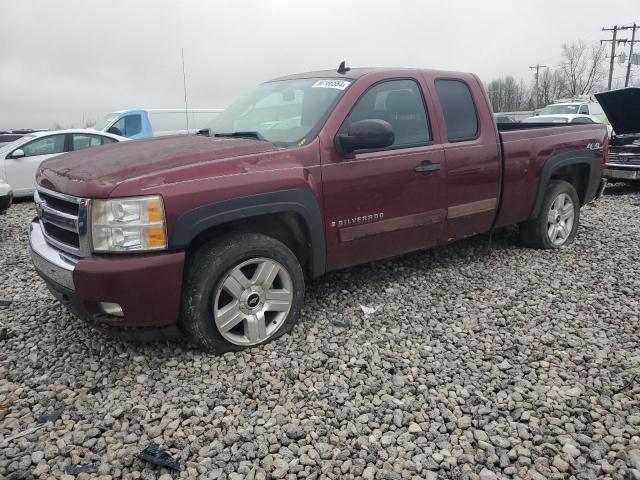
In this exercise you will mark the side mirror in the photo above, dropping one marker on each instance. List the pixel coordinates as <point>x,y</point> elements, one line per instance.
<point>115,131</point>
<point>18,153</point>
<point>363,135</point>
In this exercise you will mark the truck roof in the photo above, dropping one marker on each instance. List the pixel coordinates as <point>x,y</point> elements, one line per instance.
<point>355,73</point>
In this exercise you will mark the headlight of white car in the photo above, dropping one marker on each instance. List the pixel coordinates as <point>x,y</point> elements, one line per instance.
<point>128,224</point>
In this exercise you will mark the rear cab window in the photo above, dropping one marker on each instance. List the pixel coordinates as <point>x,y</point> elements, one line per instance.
<point>459,110</point>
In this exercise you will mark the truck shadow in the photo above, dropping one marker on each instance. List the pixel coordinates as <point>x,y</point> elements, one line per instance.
<point>353,280</point>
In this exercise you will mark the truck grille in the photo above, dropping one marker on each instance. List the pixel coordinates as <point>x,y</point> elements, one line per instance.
<point>632,159</point>
<point>64,220</point>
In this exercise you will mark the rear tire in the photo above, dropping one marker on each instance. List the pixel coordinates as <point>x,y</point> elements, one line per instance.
<point>557,224</point>
<point>240,291</point>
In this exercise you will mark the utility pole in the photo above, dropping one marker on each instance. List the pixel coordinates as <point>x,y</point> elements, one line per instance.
<point>537,68</point>
<point>613,51</point>
<point>633,40</point>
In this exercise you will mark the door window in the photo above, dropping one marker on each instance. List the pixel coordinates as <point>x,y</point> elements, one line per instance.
<point>458,108</point>
<point>127,126</point>
<point>584,109</point>
<point>398,102</point>
<point>44,146</point>
<point>81,141</point>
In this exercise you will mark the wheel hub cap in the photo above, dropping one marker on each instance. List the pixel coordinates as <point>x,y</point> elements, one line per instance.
<point>252,301</point>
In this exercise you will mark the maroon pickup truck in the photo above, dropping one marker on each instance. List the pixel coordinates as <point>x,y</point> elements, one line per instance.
<point>217,232</point>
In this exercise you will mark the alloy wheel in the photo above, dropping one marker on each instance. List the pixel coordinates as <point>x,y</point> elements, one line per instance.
<point>560,219</point>
<point>252,301</point>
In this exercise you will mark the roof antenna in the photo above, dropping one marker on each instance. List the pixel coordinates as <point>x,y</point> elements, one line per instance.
<point>342,69</point>
<point>184,84</point>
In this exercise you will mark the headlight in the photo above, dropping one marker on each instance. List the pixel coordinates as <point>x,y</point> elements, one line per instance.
<point>128,224</point>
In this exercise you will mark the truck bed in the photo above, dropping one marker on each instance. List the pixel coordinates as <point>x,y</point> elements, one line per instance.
<point>525,152</point>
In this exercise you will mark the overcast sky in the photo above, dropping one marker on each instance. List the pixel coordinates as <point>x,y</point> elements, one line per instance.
<point>68,60</point>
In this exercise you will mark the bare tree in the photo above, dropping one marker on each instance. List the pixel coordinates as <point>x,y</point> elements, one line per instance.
<point>582,69</point>
<point>507,94</point>
<point>551,86</point>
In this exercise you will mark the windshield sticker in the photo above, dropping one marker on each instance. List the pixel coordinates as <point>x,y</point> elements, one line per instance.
<point>339,84</point>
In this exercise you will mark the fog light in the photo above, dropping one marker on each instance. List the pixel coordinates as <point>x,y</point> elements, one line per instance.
<point>111,309</point>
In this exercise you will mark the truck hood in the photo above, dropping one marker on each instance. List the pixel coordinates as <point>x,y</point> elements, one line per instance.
<point>101,169</point>
<point>622,108</point>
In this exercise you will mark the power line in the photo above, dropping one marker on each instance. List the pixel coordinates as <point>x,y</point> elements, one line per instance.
<point>633,40</point>
<point>614,40</point>
<point>537,68</point>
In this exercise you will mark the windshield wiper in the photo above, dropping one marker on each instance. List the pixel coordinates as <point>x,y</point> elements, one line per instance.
<point>247,134</point>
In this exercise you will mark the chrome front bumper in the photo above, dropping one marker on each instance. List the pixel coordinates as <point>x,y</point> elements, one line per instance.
<point>621,173</point>
<point>51,264</point>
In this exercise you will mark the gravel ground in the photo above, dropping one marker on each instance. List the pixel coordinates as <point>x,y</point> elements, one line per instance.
<point>482,361</point>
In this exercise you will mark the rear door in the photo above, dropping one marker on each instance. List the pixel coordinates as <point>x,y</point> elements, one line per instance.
<point>21,172</point>
<point>80,141</point>
<point>473,159</point>
<point>377,204</point>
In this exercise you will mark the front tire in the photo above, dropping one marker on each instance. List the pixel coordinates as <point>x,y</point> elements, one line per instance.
<point>557,224</point>
<point>240,291</point>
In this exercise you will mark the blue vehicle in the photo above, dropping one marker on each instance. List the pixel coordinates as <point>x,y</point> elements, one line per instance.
<point>139,123</point>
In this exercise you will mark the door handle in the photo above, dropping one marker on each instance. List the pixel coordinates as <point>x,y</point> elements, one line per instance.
<point>427,167</point>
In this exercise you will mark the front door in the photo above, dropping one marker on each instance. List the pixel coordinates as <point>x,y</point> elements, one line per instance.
<point>21,172</point>
<point>389,201</point>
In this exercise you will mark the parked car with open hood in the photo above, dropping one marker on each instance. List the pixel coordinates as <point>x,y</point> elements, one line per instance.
<point>623,111</point>
<point>20,159</point>
<point>306,174</point>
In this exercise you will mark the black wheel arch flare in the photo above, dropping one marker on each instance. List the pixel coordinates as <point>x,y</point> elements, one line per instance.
<point>302,202</point>
<point>553,164</point>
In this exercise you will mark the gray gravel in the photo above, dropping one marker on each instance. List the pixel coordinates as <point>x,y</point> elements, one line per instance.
<point>482,361</point>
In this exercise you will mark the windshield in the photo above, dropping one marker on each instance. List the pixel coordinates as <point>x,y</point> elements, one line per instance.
<point>546,120</point>
<point>562,109</point>
<point>105,121</point>
<point>10,146</point>
<point>288,112</point>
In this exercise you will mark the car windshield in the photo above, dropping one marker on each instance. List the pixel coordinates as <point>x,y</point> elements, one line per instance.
<point>286,113</point>
<point>10,146</point>
<point>105,121</point>
<point>546,120</point>
<point>560,109</point>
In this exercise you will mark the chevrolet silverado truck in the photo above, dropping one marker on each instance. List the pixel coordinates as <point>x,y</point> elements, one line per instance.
<point>623,111</point>
<point>217,232</point>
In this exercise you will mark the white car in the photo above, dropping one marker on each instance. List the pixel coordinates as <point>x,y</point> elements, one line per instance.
<point>567,118</point>
<point>590,108</point>
<point>19,160</point>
